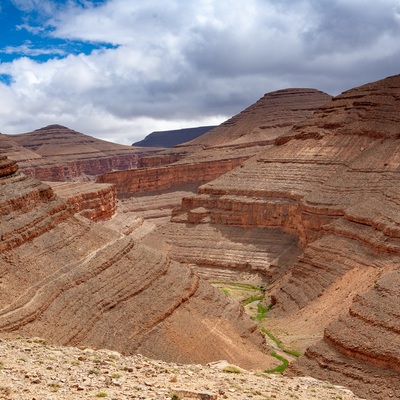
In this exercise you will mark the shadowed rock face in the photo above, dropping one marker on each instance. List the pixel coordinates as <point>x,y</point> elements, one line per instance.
<point>332,182</point>
<point>224,147</point>
<point>56,153</point>
<point>362,348</point>
<point>74,282</point>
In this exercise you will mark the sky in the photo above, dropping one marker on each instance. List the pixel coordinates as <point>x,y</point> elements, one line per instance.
<point>120,69</point>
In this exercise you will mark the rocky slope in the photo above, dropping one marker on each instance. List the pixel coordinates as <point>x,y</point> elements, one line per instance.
<point>362,348</point>
<point>222,148</point>
<point>56,153</point>
<point>71,281</point>
<point>332,183</point>
<point>32,369</point>
<point>92,200</point>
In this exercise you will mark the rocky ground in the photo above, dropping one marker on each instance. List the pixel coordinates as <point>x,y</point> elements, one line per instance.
<point>31,369</point>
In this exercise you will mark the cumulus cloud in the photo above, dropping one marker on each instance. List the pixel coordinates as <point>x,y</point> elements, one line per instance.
<point>179,64</point>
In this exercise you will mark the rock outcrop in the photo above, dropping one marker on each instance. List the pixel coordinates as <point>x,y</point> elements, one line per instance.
<point>332,182</point>
<point>362,348</point>
<point>224,147</point>
<point>75,282</point>
<point>95,201</point>
<point>56,153</point>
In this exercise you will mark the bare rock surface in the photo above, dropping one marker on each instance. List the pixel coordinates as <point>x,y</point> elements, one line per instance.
<point>31,369</point>
<point>92,200</point>
<point>332,182</point>
<point>224,147</point>
<point>71,281</point>
<point>56,153</point>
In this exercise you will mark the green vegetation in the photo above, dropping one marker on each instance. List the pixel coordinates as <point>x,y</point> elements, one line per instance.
<point>226,291</point>
<point>251,299</point>
<point>101,394</point>
<point>279,344</point>
<point>174,396</point>
<point>280,368</point>
<point>262,311</point>
<point>231,369</point>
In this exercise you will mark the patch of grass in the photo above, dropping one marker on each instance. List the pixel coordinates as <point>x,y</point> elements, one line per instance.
<point>279,344</point>
<point>232,369</point>
<point>280,368</point>
<point>94,371</point>
<point>54,386</point>
<point>273,338</point>
<point>262,311</point>
<point>292,352</point>
<point>226,291</point>
<point>251,299</point>
<point>101,394</point>
<point>174,396</point>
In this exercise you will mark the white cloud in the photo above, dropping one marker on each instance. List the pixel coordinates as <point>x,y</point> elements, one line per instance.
<point>193,62</point>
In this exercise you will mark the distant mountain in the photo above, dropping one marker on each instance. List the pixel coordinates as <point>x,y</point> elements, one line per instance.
<point>173,137</point>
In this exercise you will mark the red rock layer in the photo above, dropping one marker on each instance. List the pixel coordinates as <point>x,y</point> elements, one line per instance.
<point>64,155</point>
<point>333,181</point>
<point>362,348</point>
<point>92,200</point>
<point>224,147</point>
<point>157,179</point>
<point>71,281</point>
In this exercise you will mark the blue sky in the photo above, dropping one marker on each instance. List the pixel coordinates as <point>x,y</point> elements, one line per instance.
<point>120,69</point>
<point>29,31</point>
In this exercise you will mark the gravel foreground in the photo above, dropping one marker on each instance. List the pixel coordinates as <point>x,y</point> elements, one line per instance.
<point>32,370</point>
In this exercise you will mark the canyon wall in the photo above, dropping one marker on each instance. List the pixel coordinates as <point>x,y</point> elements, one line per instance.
<point>56,153</point>
<point>92,200</point>
<point>332,181</point>
<point>146,180</point>
<point>74,282</point>
<point>224,147</point>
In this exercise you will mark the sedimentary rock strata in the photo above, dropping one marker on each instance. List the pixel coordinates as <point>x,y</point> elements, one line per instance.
<point>56,153</point>
<point>75,282</point>
<point>92,200</point>
<point>224,147</point>
<point>332,182</point>
<point>362,348</point>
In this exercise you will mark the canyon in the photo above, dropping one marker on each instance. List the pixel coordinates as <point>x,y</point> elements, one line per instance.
<point>297,195</point>
<point>57,153</point>
<point>75,282</point>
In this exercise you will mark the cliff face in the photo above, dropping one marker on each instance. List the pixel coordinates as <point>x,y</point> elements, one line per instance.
<point>222,148</point>
<point>332,182</point>
<point>156,179</point>
<point>362,348</point>
<point>92,200</point>
<point>74,282</point>
<point>56,153</point>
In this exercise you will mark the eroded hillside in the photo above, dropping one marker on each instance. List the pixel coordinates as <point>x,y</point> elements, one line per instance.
<point>74,282</point>
<point>332,183</point>
<point>56,153</point>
